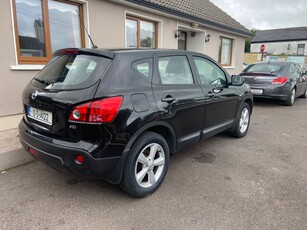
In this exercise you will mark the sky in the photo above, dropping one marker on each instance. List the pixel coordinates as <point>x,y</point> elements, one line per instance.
<point>266,14</point>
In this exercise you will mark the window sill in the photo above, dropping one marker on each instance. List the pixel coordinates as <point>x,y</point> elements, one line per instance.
<point>229,67</point>
<point>26,67</point>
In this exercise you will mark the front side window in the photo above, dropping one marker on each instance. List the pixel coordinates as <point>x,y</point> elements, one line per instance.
<point>225,52</point>
<point>175,70</point>
<point>43,26</point>
<point>208,72</point>
<point>140,33</point>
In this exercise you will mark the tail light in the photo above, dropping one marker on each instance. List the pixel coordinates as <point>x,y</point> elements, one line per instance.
<point>279,80</point>
<point>99,111</point>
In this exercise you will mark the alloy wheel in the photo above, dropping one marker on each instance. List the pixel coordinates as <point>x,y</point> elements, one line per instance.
<point>244,120</point>
<point>292,96</point>
<point>149,166</point>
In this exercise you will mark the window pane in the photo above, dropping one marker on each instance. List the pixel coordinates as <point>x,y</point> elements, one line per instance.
<point>300,49</point>
<point>143,68</point>
<point>64,25</point>
<point>226,46</point>
<point>175,70</point>
<point>30,28</point>
<point>209,73</point>
<point>148,35</point>
<point>72,71</point>
<point>131,30</point>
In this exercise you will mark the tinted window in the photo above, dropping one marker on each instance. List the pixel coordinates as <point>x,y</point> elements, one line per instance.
<point>293,70</point>
<point>264,68</point>
<point>209,72</point>
<point>299,70</point>
<point>175,70</point>
<point>143,68</point>
<point>72,71</point>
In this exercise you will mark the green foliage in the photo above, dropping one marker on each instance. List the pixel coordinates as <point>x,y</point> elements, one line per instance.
<point>146,42</point>
<point>248,41</point>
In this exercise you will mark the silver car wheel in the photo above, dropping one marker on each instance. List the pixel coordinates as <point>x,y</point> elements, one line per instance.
<point>244,120</point>
<point>149,165</point>
<point>292,96</point>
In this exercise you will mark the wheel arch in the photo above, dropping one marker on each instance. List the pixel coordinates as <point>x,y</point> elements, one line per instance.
<point>160,127</point>
<point>250,103</point>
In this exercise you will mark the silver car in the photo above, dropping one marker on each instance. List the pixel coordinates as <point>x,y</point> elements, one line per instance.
<point>283,81</point>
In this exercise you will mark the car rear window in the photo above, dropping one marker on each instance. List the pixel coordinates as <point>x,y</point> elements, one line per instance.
<point>74,71</point>
<point>264,68</point>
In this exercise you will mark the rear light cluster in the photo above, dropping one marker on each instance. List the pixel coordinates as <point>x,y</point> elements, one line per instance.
<point>279,80</point>
<point>99,111</point>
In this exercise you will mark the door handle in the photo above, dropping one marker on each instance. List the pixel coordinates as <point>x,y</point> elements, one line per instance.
<point>169,99</point>
<point>212,96</point>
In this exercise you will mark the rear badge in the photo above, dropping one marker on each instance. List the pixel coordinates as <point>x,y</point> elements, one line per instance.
<point>72,127</point>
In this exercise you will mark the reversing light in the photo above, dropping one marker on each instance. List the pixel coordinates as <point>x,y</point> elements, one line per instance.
<point>79,159</point>
<point>279,80</point>
<point>76,114</point>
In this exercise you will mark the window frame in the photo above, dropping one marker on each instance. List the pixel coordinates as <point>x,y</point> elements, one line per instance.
<point>150,68</point>
<point>214,64</point>
<point>174,55</point>
<point>301,46</point>
<point>47,35</point>
<point>138,34</point>
<point>221,49</point>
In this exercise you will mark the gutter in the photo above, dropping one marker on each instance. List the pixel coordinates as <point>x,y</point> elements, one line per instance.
<point>179,14</point>
<point>280,40</point>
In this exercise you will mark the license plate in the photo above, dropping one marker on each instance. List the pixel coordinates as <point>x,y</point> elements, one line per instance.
<point>257,91</point>
<point>40,115</point>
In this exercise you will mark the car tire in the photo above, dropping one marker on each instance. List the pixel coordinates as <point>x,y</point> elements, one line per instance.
<point>305,93</point>
<point>242,121</point>
<point>291,98</point>
<point>146,165</point>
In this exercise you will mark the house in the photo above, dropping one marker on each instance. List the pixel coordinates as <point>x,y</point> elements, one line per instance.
<point>287,41</point>
<point>32,30</point>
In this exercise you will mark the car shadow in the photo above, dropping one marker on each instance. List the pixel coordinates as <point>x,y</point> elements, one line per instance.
<point>264,102</point>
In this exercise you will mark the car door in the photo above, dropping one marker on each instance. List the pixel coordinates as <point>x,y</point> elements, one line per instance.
<point>180,101</point>
<point>301,84</point>
<point>222,99</point>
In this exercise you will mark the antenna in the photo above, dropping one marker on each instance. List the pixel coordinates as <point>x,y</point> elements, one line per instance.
<point>89,36</point>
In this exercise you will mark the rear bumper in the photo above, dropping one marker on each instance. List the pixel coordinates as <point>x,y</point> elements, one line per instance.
<point>277,92</point>
<point>62,157</point>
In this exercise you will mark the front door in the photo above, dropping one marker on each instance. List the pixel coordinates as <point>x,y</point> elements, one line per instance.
<point>180,101</point>
<point>182,40</point>
<point>221,98</point>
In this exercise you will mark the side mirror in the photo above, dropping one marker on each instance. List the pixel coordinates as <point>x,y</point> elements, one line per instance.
<point>237,80</point>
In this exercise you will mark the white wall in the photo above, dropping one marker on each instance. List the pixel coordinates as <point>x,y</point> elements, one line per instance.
<point>279,47</point>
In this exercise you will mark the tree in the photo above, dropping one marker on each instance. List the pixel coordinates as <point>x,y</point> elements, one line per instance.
<point>248,41</point>
<point>146,42</point>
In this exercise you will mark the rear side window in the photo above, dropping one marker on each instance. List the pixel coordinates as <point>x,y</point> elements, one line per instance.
<point>175,70</point>
<point>143,68</point>
<point>72,71</point>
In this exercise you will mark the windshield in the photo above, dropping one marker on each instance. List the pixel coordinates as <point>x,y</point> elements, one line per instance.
<point>263,68</point>
<point>72,71</point>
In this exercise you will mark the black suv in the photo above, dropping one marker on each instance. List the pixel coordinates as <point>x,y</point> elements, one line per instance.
<point>119,114</point>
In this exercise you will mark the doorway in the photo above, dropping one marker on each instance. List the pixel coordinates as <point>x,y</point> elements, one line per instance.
<point>182,40</point>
